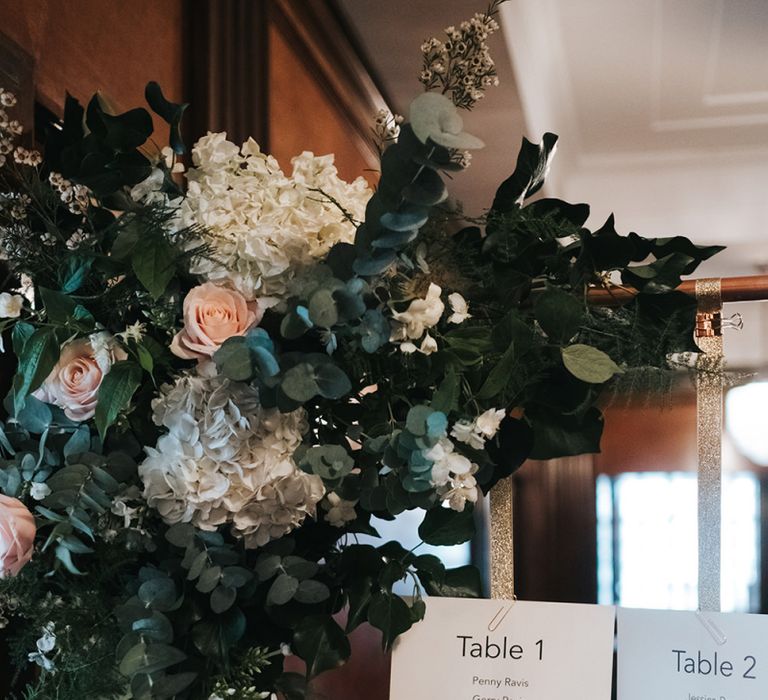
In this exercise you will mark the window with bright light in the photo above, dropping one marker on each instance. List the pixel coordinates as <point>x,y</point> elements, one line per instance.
<point>647,541</point>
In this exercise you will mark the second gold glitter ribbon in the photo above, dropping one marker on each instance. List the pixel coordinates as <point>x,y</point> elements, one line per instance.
<point>709,420</point>
<point>502,543</point>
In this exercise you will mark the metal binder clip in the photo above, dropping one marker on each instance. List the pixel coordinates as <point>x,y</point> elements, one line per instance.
<point>499,617</point>
<point>734,323</point>
<point>714,631</point>
<point>709,324</point>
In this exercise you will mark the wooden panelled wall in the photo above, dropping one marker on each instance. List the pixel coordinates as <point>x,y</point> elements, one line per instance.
<point>282,71</point>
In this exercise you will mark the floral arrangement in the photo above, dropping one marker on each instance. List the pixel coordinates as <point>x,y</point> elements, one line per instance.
<point>224,373</point>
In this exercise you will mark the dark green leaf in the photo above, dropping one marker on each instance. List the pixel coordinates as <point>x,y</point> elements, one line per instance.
<point>444,526</point>
<point>390,614</point>
<point>321,643</point>
<point>359,596</point>
<point>564,435</point>
<point>153,264</point>
<point>446,398</point>
<point>498,376</point>
<point>38,358</point>
<point>115,393</point>
<point>559,314</point>
<point>170,112</point>
<point>532,165</point>
<point>464,582</point>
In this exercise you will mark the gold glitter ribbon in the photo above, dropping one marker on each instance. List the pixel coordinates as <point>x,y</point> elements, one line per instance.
<point>502,543</point>
<point>709,426</point>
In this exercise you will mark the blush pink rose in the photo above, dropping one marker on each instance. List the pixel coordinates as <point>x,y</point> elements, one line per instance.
<point>211,315</point>
<point>75,380</point>
<point>17,536</point>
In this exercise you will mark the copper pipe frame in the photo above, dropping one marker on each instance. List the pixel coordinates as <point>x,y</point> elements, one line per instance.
<point>749,288</point>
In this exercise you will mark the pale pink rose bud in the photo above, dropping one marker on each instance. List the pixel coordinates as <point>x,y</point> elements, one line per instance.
<point>17,536</point>
<point>74,382</point>
<point>211,315</point>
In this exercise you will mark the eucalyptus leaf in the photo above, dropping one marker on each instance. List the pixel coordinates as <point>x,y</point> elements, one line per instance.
<point>311,592</point>
<point>209,579</point>
<point>222,598</point>
<point>157,627</point>
<point>149,658</point>
<point>299,382</point>
<point>282,590</point>
<point>159,594</point>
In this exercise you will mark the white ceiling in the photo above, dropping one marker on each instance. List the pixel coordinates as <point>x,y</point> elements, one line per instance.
<point>663,110</point>
<point>661,106</point>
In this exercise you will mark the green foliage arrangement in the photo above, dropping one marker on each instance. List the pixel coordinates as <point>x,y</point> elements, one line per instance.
<point>220,384</point>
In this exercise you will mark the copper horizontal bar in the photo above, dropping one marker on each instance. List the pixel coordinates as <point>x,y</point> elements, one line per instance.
<point>751,288</point>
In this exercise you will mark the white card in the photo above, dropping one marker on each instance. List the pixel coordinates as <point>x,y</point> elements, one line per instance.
<point>536,651</point>
<point>676,656</point>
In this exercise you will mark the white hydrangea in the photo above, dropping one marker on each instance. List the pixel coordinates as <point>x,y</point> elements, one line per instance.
<point>226,459</point>
<point>263,226</point>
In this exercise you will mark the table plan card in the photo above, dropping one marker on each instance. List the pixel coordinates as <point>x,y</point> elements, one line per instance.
<point>688,656</point>
<point>500,650</point>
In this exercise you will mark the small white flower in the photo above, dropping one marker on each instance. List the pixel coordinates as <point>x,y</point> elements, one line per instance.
<point>133,332</point>
<point>475,433</point>
<point>45,645</point>
<point>340,511</point>
<point>459,307</point>
<point>10,305</point>
<point>421,314</point>
<point>428,345</point>
<point>39,491</point>
<point>487,423</point>
<point>464,431</point>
